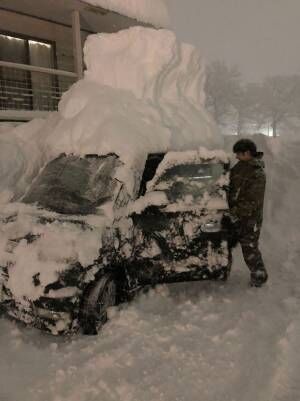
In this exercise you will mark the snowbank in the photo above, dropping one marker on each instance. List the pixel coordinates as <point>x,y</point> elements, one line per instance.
<point>154,12</point>
<point>57,246</point>
<point>223,341</point>
<point>22,153</point>
<point>142,93</point>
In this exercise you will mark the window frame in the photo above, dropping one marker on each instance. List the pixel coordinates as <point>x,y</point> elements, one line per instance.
<point>27,38</point>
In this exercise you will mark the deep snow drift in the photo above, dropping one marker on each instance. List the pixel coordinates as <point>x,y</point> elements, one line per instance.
<point>142,92</point>
<point>187,342</point>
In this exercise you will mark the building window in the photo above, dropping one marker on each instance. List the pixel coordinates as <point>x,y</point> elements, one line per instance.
<point>21,89</point>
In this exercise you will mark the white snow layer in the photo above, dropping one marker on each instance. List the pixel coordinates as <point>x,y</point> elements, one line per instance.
<point>142,92</point>
<point>23,151</point>
<point>58,245</point>
<point>184,342</point>
<point>188,157</point>
<point>154,12</point>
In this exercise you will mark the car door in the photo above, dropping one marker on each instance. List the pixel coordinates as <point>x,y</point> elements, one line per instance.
<point>179,230</point>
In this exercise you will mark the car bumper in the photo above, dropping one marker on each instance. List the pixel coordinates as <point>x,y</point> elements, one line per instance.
<point>53,321</point>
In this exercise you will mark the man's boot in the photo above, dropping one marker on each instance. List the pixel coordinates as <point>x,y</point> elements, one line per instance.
<point>258,278</point>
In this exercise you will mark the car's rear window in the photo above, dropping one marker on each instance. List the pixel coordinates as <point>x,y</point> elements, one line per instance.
<point>194,172</point>
<point>74,185</point>
<point>190,179</point>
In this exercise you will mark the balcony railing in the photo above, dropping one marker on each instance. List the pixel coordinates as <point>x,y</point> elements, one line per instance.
<point>30,88</point>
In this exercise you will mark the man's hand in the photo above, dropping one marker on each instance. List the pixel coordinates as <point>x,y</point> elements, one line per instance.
<point>230,219</point>
<point>232,224</point>
<point>233,219</point>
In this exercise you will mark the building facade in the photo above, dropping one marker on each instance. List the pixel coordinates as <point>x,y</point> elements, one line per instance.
<point>41,51</point>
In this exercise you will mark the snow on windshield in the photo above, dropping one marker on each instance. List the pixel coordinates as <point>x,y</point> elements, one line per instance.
<point>73,185</point>
<point>198,156</point>
<point>154,12</point>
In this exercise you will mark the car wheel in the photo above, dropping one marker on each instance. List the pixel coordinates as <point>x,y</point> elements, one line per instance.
<point>100,297</point>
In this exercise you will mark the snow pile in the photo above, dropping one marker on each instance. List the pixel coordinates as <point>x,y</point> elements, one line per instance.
<point>58,244</point>
<point>154,12</point>
<point>6,126</point>
<point>225,341</point>
<point>23,152</point>
<point>142,93</point>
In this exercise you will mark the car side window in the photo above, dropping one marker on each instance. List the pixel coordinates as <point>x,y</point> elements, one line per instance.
<point>190,179</point>
<point>151,165</point>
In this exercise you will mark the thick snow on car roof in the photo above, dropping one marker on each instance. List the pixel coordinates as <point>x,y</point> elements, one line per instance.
<point>142,93</point>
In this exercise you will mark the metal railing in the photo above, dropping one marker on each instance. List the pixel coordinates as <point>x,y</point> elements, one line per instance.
<point>27,87</point>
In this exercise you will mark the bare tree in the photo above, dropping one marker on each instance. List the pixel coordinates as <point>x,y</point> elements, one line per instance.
<point>280,99</point>
<point>222,87</point>
<point>252,110</point>
<point>273,102</point>
<point>245,102</point>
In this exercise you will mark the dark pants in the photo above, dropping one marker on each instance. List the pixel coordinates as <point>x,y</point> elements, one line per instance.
<point>248,236</point>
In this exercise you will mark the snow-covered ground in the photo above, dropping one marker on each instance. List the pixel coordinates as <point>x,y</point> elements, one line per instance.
<point>190,341</point>
<point>185,342</point>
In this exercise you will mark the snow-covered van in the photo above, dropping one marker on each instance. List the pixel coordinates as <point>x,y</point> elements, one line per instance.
<point>80,242</point>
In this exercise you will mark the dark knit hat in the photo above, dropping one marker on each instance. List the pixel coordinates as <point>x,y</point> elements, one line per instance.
<point>244,145</point>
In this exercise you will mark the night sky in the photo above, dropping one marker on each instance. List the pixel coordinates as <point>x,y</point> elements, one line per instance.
<point>261,37</point>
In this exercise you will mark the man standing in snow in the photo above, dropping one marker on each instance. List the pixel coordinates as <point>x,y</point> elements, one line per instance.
<point>246,198</point>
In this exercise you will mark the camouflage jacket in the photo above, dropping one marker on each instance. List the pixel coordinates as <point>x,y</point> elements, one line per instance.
<point>247,189</point>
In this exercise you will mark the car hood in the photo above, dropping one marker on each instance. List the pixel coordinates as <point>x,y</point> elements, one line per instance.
<point>36,246</point>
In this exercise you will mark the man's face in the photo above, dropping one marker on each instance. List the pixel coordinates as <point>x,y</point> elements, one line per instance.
<point>244,156</point>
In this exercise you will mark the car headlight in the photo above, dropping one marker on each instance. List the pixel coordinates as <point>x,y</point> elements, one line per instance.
<point>211,227</point>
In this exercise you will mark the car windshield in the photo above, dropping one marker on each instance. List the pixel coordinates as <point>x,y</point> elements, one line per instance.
<point>190,179</point>
<point>75,185</point>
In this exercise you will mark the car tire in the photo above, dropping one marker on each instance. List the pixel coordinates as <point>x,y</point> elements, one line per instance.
<point>99,298</point>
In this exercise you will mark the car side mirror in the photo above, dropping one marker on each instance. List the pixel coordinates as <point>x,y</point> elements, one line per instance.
<point>151,198</point>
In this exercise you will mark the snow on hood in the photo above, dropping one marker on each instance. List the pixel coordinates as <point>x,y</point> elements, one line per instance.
<point>57,244</point>
<point>154,12</point>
